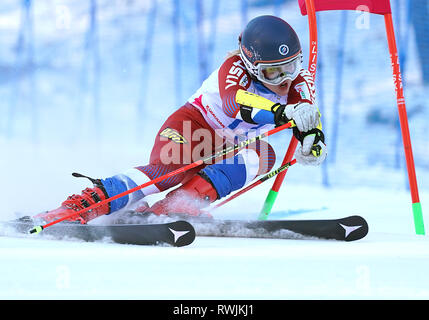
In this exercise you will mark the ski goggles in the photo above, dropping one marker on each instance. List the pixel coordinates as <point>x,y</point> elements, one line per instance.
<point>276,73</point>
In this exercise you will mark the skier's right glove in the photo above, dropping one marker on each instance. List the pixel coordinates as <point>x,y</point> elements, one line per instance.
<point>313,149</point>
<point>305,115</point>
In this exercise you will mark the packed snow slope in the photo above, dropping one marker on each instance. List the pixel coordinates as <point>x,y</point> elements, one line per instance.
<point>389,263</point>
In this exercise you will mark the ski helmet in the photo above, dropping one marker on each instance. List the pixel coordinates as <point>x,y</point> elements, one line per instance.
<point>271,50</point>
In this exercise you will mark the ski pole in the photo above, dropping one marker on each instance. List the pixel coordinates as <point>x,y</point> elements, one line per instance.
<point>257,183</point>
<point>197,163</point>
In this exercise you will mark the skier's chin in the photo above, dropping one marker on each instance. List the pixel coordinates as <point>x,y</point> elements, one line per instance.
<point>281,89</point>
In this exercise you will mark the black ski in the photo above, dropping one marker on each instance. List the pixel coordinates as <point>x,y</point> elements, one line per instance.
<point>181,233</point>
<point>346,229</point>
<point>177,233</point>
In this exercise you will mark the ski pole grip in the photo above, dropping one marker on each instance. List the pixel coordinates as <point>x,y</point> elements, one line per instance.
<point>316,150</point>
<point>36,229</point>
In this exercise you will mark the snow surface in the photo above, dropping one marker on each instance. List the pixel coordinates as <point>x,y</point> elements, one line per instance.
<point>390,263</point>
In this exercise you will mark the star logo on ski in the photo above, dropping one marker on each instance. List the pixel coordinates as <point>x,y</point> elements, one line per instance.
<point>349,229</point>
<point>177,234</point>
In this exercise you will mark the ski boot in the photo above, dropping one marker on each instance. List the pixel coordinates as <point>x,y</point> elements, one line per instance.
<point>76,203</point>
<point>188,200</point>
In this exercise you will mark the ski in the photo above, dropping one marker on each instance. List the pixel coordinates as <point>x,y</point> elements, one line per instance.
<point>182,232</point>
<point>177,233</point>
<point>346,229</point>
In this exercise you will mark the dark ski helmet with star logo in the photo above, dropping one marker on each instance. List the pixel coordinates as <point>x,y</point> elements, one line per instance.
<point>270,49</point>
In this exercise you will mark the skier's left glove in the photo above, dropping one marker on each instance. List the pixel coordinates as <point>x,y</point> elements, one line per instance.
<point>313,149</point>
<point>305,115</point>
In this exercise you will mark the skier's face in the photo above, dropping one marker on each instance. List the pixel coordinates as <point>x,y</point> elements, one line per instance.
<point>282,89</point>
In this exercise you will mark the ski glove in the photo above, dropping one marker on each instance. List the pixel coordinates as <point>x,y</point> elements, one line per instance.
<point>313,149</point>
<point>305,115</point>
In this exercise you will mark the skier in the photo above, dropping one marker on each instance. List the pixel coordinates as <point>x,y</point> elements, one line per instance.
<point>268,63</point>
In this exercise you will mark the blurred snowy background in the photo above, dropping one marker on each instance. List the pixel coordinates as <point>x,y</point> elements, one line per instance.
<point>85,84</point>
